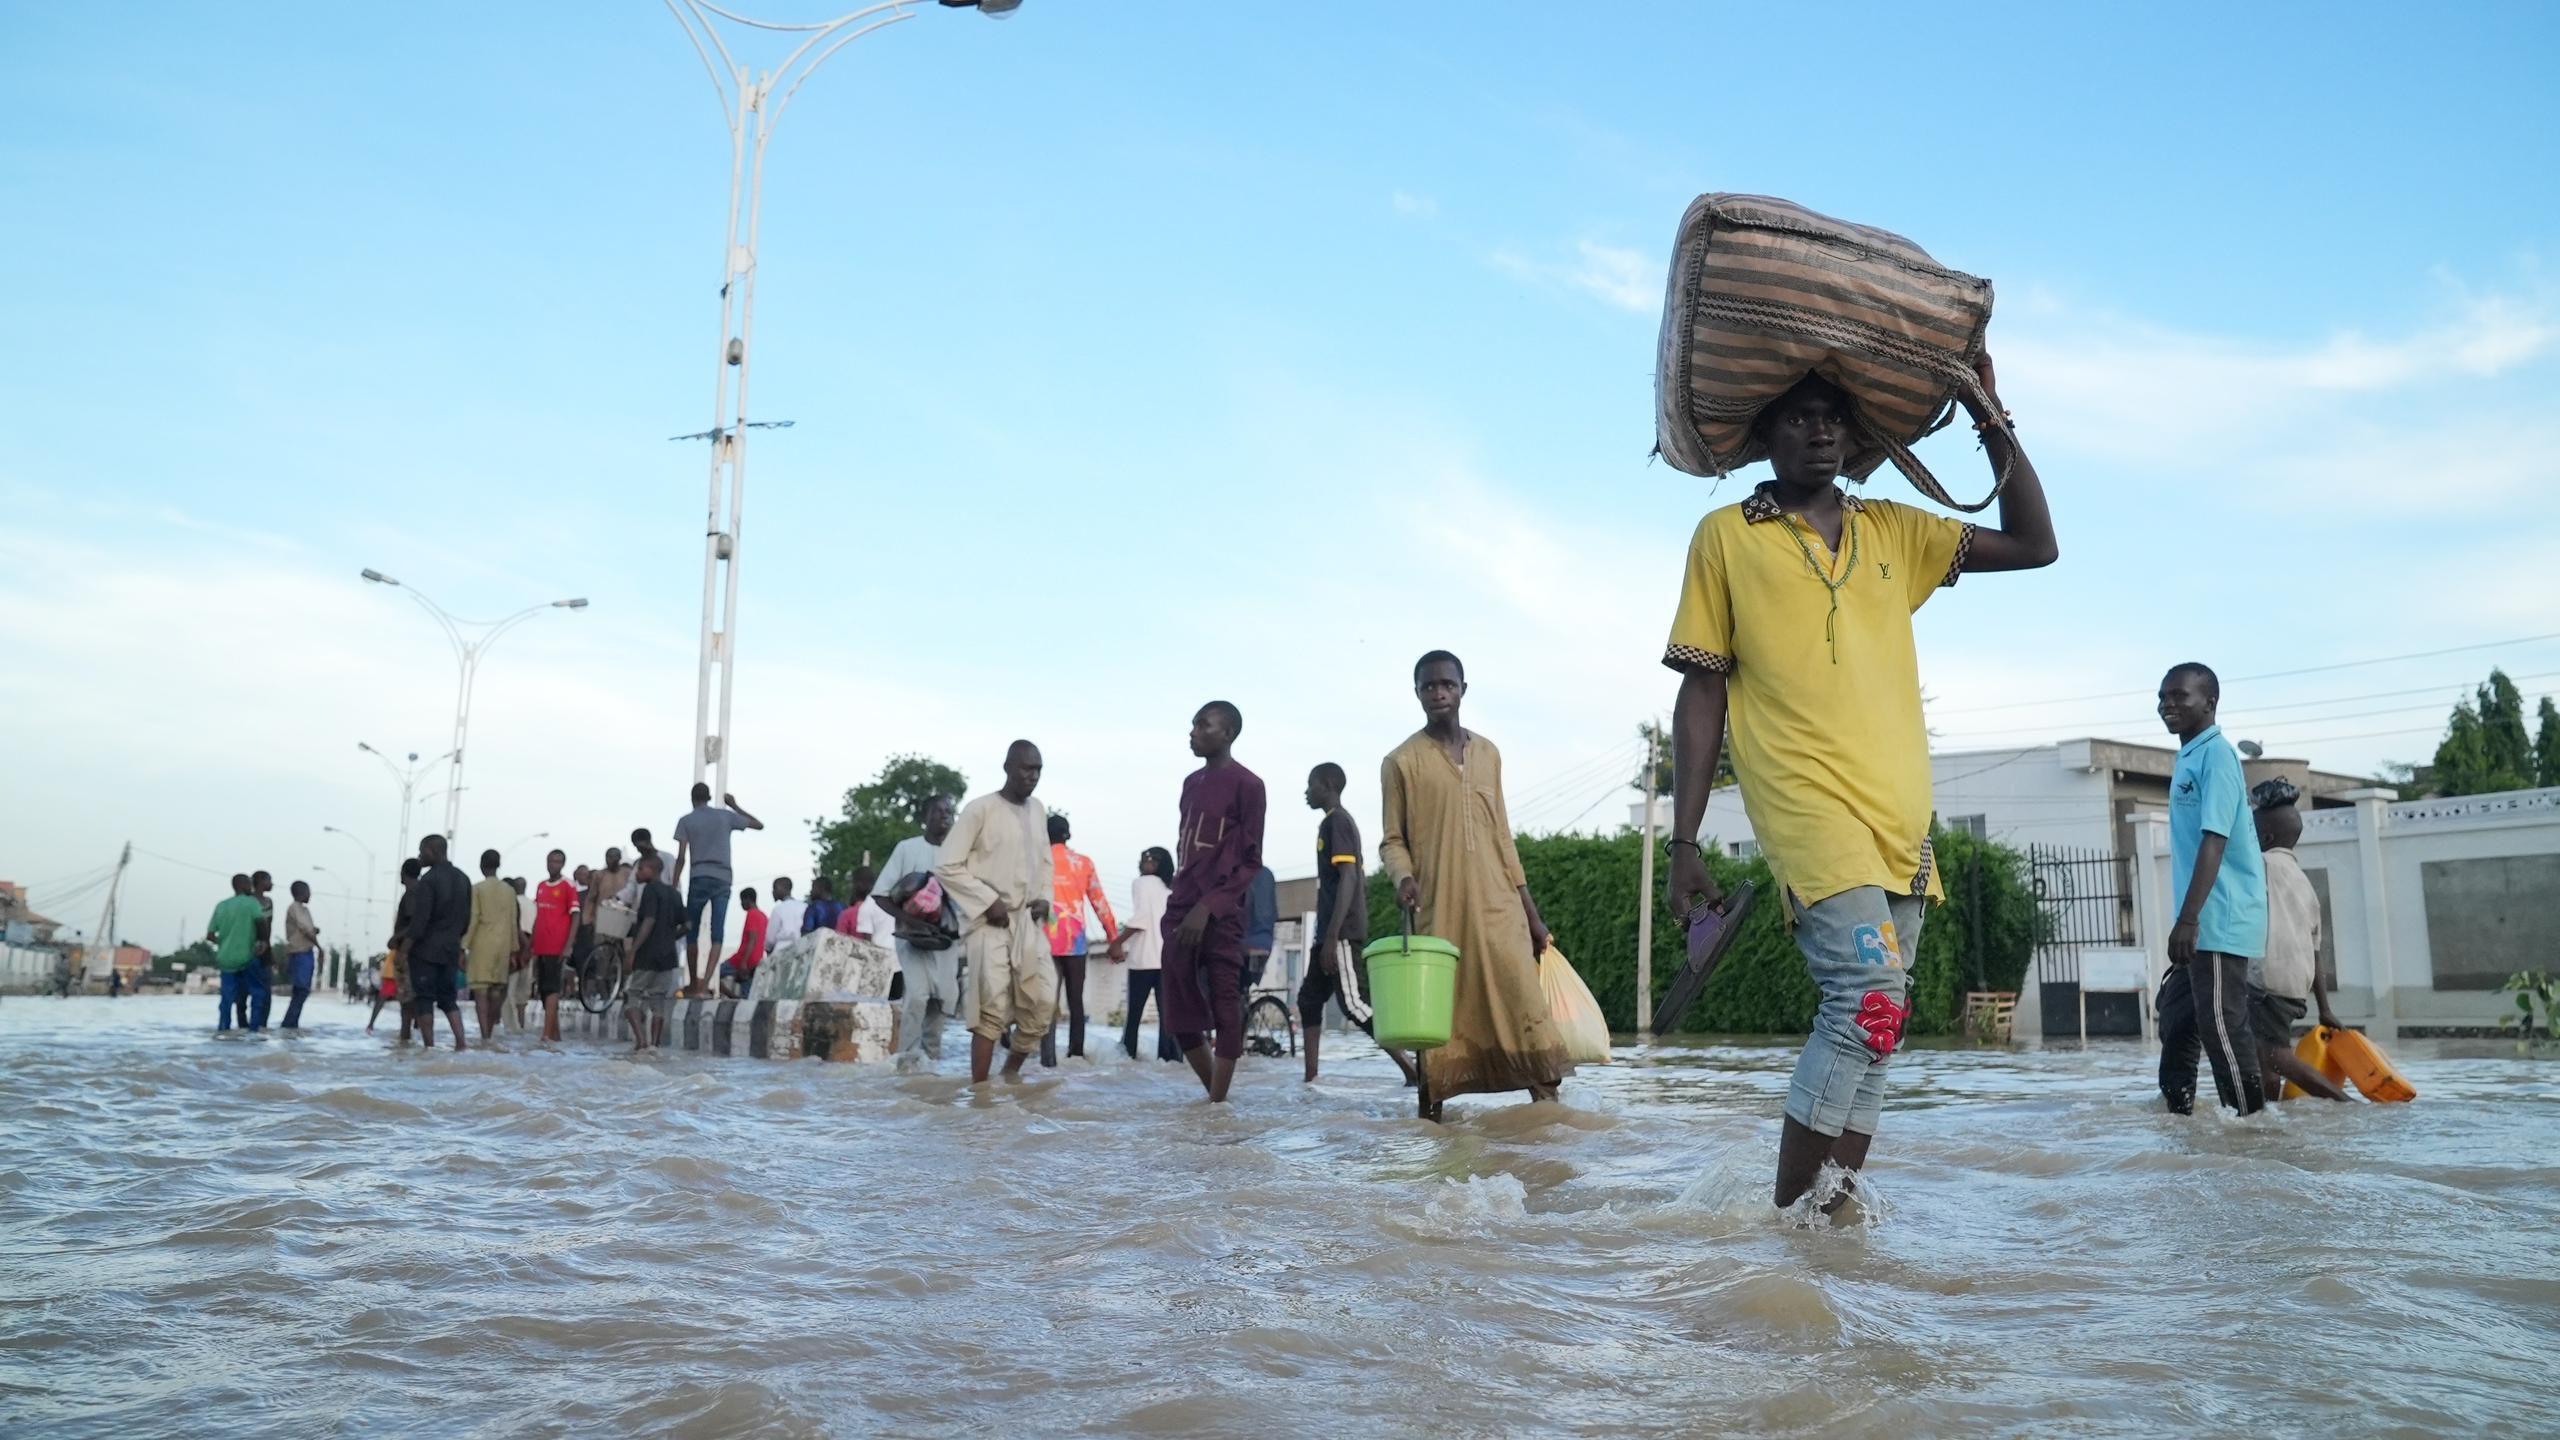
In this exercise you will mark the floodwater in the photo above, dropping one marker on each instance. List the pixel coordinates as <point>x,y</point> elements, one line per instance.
<point>323,1236</point>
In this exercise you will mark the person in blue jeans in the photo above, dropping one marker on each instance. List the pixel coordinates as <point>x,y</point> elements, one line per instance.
<point>702,872</point>
<point>2221,885</point>
<point>233,934</point>
<point>1795,625</point>
<point>302,952</point>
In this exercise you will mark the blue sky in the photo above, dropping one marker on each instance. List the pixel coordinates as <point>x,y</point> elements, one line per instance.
<point>1147,351</point>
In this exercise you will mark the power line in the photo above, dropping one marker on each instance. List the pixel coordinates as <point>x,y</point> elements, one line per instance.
<point>183,864</point>
<point>1572,780</point>
<point>1994,765</point>
<point>81,877</point>
<point>2267,675</point>
<point>1587,809</point>
<point>2459,689</point>
<point>2364,735</point>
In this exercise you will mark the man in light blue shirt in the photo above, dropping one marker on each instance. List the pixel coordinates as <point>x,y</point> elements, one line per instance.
<point>2220,881</point>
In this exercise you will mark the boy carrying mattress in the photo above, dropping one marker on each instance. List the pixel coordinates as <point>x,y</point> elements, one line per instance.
<point>1795,621</point>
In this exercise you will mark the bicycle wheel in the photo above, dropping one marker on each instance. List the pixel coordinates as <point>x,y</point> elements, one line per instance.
<point>598,983</point>
<point>1267,1031</point>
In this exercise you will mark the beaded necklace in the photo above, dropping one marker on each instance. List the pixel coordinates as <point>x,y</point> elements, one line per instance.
<point>1830,621</point>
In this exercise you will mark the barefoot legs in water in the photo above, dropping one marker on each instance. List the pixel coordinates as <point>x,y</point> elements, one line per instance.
<point>1801,1153</point>
<point>982,1059</point>
<point>1216,1072</point>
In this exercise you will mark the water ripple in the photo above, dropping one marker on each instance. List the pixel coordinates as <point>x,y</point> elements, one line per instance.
<point>324,1234</point>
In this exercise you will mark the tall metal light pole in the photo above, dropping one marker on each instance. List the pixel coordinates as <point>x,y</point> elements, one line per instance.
<point>750,107</point>
<point>466,658</point>
<point>327,965</point>
<point>407,780</point>
<point>369,917</point>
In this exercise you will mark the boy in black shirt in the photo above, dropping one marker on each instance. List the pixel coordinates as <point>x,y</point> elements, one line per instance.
<point>657,925</point>
<point>1336,969</point>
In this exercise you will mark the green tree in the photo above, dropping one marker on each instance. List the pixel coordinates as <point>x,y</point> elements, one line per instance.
<point>194,957</point>
<point>2546,744</point>
<point>2485,747</point>
<point>882,811</point>
<point>1664,768</point>
<point>2502,722</point>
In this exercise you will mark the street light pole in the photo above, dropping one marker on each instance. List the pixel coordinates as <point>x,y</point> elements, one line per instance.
<point>407,780</point>
<point>466,659</point>
<point>370,918</point>
<point>750,108</point>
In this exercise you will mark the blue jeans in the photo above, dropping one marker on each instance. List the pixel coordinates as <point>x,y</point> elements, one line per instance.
<point>245,992</point>
<point>713,891</point>
<point>301,966</point>
<point>1860,945</point>
<point>262,993</point>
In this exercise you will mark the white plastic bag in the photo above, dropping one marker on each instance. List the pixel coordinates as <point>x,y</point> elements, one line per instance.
<point>1584,1029</point>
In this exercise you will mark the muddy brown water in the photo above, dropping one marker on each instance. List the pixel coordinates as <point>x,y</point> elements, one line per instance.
<point>322,1236</point>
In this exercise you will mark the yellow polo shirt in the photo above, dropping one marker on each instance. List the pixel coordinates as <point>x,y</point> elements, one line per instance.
<point>1823,706</point>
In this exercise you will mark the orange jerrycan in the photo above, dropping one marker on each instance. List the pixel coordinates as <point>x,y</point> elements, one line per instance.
<point>2313,1050</point>
<point>2367,1068</point>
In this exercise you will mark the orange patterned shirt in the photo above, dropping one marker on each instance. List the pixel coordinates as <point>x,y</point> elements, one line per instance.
<point>1075,885</point>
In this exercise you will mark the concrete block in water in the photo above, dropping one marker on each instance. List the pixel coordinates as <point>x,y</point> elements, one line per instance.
<point>843,1030</point>
<point>823,965</point>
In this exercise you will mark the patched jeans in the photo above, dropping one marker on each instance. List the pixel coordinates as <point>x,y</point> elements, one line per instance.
<point>1859,946</point>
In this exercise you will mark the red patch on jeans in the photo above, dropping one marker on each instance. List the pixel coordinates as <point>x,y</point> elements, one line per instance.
<point>1882,1020</point>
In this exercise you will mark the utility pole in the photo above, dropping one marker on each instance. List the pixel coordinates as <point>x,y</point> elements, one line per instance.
<point>106,931</point>
<point>1644,911</point>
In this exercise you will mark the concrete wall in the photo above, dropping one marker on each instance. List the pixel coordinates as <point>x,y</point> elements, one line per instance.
<point>2033,795</point>
<point>2429,903</point>
<point>24,967</point>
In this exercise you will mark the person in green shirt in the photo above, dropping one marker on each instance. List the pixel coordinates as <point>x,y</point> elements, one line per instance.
<point>234,936</point>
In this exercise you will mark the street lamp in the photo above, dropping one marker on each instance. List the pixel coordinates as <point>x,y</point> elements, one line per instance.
<point>750,108</point>
<point>369,868</point>
<point>407,780</point>
<point>466,657</point>
<point>536,835</point>
<point>316,893</point>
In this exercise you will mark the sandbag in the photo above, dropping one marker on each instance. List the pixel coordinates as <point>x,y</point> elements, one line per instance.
<point>1763,291</point>
<point>1579,1023</point>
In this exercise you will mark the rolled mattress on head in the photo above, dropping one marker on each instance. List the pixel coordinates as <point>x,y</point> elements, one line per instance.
<point>1763,291</point>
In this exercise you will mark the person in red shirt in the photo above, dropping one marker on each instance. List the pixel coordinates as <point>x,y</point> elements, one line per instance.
<point>555,925</point>
<point>740,968</point>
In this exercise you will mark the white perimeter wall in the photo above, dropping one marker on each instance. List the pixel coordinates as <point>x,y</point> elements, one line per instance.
<point>2370,857</point>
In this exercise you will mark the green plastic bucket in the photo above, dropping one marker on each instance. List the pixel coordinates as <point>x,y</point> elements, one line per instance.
<point>1413,990</point>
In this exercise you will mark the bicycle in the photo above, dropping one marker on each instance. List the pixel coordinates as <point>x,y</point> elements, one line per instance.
<point>598,975</point>
<point>1270,1027</point>
<point>1270,1024</point>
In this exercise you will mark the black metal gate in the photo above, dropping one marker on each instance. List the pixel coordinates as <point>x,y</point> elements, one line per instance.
<point>2087,899</point>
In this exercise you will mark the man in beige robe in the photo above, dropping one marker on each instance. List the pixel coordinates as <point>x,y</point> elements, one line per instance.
<point>490,943</point>
<point>1447,843</point>
<point>996,868</point>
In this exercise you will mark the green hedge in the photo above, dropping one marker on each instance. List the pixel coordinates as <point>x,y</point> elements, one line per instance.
<point>1586,887</point>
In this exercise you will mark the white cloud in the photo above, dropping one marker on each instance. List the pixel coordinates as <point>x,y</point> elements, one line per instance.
<point>1618,277</point>
<point>2350,421</point>
<point>1418,207</point>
